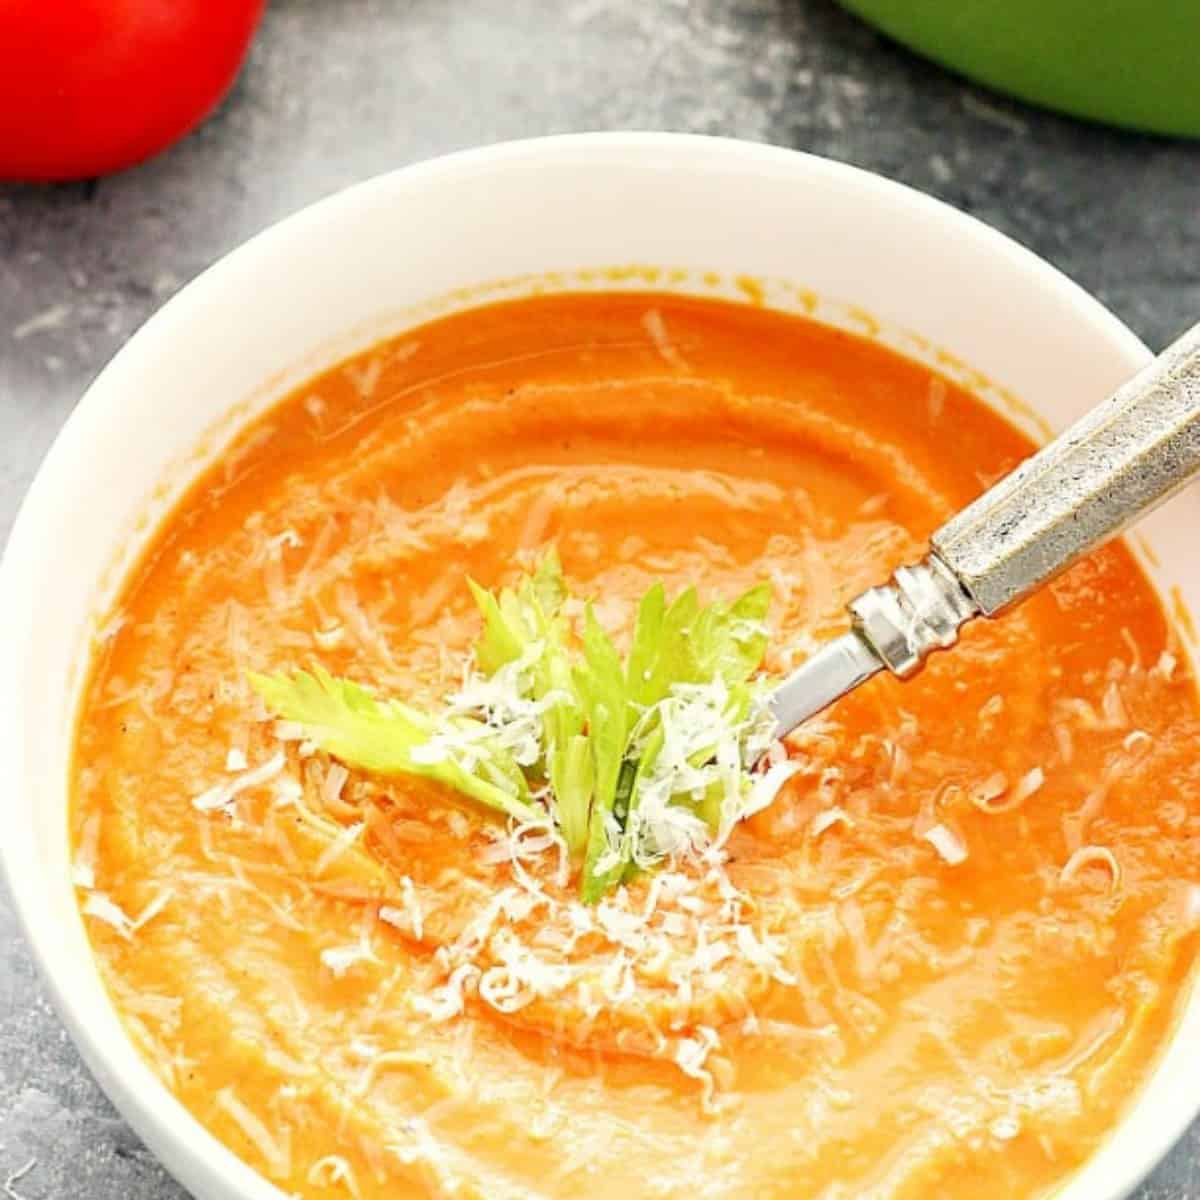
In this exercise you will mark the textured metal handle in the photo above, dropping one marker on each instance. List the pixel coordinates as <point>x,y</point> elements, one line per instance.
<point>1125,457</point>
<point>1122,459</point>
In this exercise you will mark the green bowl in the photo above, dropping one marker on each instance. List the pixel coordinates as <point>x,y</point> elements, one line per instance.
<point>1134,63</point>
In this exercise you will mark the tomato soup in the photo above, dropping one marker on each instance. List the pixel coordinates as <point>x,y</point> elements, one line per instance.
<point>939,964</point>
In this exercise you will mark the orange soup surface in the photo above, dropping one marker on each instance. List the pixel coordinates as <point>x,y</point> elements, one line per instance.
<point>938,965</point>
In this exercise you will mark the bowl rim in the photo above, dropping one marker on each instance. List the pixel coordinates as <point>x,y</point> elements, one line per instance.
<point>155,1114</point>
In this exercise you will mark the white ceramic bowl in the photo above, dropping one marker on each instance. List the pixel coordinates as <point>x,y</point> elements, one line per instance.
<point>379,257</point>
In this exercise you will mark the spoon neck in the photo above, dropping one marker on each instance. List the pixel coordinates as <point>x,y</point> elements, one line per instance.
<point>920,609</point>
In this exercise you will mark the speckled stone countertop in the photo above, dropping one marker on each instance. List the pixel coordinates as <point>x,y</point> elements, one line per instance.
<point>338,90</point>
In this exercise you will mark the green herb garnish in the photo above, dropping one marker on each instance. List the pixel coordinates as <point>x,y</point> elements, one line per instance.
<point>630,761</point>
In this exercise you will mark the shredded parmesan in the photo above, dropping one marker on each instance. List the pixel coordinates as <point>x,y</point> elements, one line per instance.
<point>1066,743</point>
<point>992,788</point>
<point>1113,706</point>
<point>329,638</point>
<point>276,1153</point>
<point>1005,1128</point>
<point>855,925</point>
<point>936,398</point>
<point>111,627</point>
<point>331,1170</point>
<point>1191,904</point>
<point>947,843</point>
<point>421,1146</point>
<point>222,795</point>
<point>83,873</point>
<point>1029,783</point>
<point>691,1055</point>
<point>98,905</point>
<point>656,327</point>
<point>767,786</point>
<point>410,918</point>
<point>828,818</point>
<point>365,378</point>
<point>105,909</point>
<point>520,977</point>
<point>337,848</point>
<point>1088,856</point>
<point>450,999</point>
<point>340,959</point>
<point>153,909</point>
<point>334,781</point>
<point>1165,667</point>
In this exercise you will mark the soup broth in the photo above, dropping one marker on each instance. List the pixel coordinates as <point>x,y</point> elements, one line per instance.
<point>939,964</point>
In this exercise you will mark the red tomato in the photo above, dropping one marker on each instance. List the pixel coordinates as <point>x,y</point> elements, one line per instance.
<point>91,86</point>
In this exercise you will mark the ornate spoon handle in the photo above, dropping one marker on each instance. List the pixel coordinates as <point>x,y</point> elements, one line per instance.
<point>1125,457</point>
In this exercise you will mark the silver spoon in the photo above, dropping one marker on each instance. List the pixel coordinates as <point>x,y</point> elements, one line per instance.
<point>1124,458</point>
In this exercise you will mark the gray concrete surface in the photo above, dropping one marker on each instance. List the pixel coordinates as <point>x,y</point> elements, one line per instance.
<point>337,90</point>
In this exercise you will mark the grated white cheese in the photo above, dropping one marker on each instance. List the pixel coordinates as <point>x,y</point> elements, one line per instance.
<point>992,788</point>
<point>691,1057</point>
<point>334,781</point>
<point>947,843</point>
<point>1066,743</point>
<point>656,327</point>
<point>329,638</point>
<point>340,959</point>
<point>1165,667</point>
<point>332,1170</point>
<point>828,818</point>
<point>764,953</point>
<point>222,795</point>
<point>152,909</point>
<point>450,999</point>
<point>521,976</point>
<point>492,711</point>
<point>618,981</point>
<point>525,841</point>
<point>1088,856</point>
<point>98,905</point>
<point>421,1146</point>
<point>767,786</point>
<point>410,918</point>
<point>277,1153</point>
<point>702,752</point>
<point>672,939</point>
<point>111,627</point>
<point>337,848</point>
<point>508,849</point>
<point>1112,704</point>
<point>1028,785</point>
<point>289,537</point>
<point>936,398</point>
<point>1005,1128</point>
<point>83,873</point>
